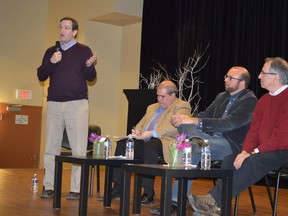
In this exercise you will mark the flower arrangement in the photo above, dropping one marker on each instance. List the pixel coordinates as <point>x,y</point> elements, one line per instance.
<point>182,142</point>
<point>94,138</point>
<point>98,144</point>
<point>176,150</point>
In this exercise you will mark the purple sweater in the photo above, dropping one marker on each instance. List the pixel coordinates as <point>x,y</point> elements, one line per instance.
<point>68,77</point>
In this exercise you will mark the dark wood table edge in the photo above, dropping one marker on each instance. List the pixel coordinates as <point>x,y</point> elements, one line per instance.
<point>86,162</point>
<point>167,175</point>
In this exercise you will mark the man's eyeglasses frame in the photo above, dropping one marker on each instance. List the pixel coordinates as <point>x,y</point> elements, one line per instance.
<point>230,78</point>
<point>267,73</point>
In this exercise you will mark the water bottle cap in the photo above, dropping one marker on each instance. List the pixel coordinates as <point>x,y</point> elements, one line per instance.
<point>187,150</point>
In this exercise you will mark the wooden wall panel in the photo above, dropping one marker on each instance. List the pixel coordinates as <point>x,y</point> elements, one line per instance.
<point>20,136</point>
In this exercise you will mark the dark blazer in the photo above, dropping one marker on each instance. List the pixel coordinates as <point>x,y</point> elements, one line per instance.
<point>235,126</point>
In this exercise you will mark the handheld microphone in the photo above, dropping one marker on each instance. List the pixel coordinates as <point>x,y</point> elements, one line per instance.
<point>57,44</point>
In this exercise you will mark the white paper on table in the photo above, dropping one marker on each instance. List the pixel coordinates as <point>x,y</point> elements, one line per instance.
<point>117,157</point>
<point>126,137</point>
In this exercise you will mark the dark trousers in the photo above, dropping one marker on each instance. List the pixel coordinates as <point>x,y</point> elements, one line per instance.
<point>252,170</point>
<point>148,152</point>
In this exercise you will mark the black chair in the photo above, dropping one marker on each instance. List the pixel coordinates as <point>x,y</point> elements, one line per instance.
<point>161,160</point>
<point>66,150</point>
<point>277,175</point>
<point>217,164</point>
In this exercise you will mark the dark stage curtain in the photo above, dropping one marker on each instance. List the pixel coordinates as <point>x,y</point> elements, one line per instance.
<point>240,32</point>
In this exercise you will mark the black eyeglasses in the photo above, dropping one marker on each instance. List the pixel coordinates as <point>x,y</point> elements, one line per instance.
<point>263,72</point>
<point>230,78</point>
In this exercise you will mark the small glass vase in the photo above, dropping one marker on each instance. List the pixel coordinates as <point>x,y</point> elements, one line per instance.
<point>98,150</point>
<point>175,158</point>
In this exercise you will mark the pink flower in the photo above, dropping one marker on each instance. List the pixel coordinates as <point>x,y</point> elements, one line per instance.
<point>182,142</point>
<point>94,137</point>
<point>180,138</point>
<point>180,146</point>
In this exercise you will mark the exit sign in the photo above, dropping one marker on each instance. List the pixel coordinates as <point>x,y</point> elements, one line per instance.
<point>23,94</point>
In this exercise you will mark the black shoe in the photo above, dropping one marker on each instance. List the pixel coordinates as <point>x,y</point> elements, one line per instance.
<point>147,200</point>
<point>115,195</point>
<point>47,194</point>
<point>73,196</point>
<point>173,209</point>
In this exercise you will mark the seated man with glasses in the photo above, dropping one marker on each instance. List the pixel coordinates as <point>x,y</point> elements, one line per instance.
<point>265,147</point>
<point>224,123</point>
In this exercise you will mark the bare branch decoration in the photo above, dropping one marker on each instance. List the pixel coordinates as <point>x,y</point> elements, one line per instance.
<point>187,78</point>
<point>157,76</point>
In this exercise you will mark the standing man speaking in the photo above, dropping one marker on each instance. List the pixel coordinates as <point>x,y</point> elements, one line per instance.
<point>68,65</point>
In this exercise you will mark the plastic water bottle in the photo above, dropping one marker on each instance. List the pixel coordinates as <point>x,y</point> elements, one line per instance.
<point>107,148</point>
<point>34,186</point>
<point>186,157</point>
<point>130,148</point>
<point>205,156</point>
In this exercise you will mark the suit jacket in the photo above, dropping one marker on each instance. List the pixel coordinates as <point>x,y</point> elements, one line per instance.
<point>165,130</point>
<point>235,126</point>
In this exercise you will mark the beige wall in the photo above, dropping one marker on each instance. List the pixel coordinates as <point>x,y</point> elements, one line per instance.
<point>21,48</point>
<point>30,27</point>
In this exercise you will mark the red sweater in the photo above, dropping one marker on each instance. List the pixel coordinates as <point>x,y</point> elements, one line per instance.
<point>269,126</point>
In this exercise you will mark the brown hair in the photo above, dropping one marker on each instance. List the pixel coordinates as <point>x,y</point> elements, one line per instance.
<point>75,25</point>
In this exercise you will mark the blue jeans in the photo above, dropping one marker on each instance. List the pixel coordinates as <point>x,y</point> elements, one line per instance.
<point>220,148</point>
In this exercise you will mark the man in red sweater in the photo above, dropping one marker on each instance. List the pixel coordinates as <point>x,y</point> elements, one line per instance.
<point>265,147</point>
